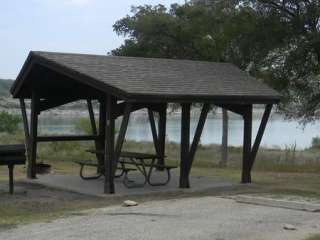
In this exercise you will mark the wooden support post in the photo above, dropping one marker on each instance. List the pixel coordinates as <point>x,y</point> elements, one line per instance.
<point>159,137</point>
<point>102,130</point>
<point>162,124</point>
<point>224,143</point>
<point>154,131</point>
<point>247,135</point>
<point>122,132</point>
<point>185,144</point>
<point>260,132</point>
<point>11,166</point>
<point>198,132</point>
<point>31,171</point>
<point>109,156</point>
<point>92,118</point>
<point>25,127</point>
<point>97,143</point>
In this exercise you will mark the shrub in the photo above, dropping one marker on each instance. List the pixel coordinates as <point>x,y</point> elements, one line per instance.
<point>315,142</point>
<point>8,122</point>
<point>84,126</point>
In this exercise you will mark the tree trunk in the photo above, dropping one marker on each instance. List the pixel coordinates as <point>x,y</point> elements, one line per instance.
<point>224,145</point>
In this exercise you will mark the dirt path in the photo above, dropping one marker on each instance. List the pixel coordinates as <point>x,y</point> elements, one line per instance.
<point>193,218</point>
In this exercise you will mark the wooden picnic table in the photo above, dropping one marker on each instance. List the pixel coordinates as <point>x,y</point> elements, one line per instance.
<point>12,155</point>
<point>141,161</point>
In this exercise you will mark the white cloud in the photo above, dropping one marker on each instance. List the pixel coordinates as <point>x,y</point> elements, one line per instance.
<point>78,2</point>
<point>68,2</point>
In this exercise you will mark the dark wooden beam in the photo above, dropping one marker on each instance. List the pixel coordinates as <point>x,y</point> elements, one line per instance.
<point>109,156</point>
<point>67,138</point>
<point>123,130</point>
<point>162,126</point>
<point>47,104</point>
<point>120,107</point>
<point>31,170</point>
<point>92,118</point>
<point>260,133</point>
<point>102,129</point>
<point>154,131</point>
<point>198,132</point>
<point>25,127</point>
<point>235,108</point>
<point>24,118</point>
<point>185,144</point>
<point>97,143</point>
<point>247,135</point>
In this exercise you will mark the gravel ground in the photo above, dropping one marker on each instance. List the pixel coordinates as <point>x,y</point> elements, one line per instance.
<point>193,218</point>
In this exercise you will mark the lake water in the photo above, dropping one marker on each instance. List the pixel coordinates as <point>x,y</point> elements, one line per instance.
<point>279,132</point>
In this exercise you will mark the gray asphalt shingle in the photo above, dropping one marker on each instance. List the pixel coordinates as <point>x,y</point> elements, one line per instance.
<point>163,77</point>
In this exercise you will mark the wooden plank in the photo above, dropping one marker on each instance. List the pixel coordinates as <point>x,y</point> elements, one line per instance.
<point>247,135</point>
<point>162,126</point>
<point>198,132</point>
<point>67,138</point>
<point>260,133</point>
<point>185,144</point>
<point>31,171</point>
<point>109,156</point>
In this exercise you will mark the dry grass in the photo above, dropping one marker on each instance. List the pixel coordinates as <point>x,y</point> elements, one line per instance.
<point>276,171</point>
<point>43,204</point>
<point>314,237</point>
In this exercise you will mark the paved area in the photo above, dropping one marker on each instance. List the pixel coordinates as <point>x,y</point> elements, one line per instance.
<point>95,187</point>
<point>204,218</point>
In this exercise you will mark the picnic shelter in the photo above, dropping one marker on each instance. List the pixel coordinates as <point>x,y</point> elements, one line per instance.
<point>123,85</point>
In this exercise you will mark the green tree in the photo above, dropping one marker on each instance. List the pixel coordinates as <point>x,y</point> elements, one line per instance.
<point>83,125</point>
<point>292,61</point>
<point>196,32</point>
<point>8,122</point>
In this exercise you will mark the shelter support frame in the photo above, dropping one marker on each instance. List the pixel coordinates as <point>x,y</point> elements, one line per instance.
<point>104,134</point>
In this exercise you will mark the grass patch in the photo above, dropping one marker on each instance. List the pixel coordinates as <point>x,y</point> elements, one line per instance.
<point>276,171</point>
<point>274,160</point>
<point>38,204</point>
<point>314,237</point>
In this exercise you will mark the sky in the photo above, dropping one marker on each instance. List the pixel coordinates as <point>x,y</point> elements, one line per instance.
<point>78,26</point>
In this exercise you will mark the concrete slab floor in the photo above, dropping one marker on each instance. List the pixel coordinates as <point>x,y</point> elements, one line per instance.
<point>95,187</point>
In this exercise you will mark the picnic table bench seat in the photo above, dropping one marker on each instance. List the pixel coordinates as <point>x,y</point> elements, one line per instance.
<point>11,155</point>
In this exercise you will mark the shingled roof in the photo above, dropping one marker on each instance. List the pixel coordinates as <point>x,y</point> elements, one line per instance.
<point>135,78</point>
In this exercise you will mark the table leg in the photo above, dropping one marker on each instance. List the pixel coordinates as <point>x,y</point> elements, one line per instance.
<point>142,169</point>
<point>11,188</point>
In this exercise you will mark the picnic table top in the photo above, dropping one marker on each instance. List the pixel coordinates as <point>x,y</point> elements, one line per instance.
<point>15,149</point>
<point>137,155</point>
